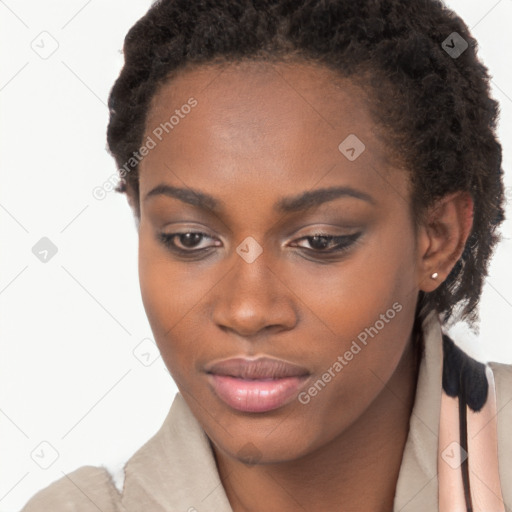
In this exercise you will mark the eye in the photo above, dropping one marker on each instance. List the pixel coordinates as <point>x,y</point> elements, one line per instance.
<point>186,242</point>
<point>323,243</point>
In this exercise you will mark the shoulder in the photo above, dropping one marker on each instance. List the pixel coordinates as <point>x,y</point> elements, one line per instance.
<point>87,489</point>
<point>503,382</point>
<point>459,368</point>
<point>503,374</point>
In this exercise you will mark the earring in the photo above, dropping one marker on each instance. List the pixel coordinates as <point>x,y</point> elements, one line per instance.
<point>435,275</point>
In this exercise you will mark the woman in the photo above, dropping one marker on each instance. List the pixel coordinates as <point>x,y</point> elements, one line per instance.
<point>317,188</point>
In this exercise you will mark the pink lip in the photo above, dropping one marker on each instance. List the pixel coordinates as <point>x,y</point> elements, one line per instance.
<point>256,385</point>
<point>257,395</point>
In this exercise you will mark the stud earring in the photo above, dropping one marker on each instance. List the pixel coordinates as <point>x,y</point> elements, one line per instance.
<point>435,275</point>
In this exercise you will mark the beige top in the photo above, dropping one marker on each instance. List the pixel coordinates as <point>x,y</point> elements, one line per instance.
<point>175,470</point>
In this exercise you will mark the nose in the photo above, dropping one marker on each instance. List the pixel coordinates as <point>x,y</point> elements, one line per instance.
<point>254,298</point>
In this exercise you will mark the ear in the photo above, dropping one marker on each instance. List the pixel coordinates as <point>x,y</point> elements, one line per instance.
<point>442,237</point>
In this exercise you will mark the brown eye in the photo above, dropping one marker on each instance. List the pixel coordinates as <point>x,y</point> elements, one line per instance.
<point>186,242</point>
<point>189,240</point>
<point>324,243</point>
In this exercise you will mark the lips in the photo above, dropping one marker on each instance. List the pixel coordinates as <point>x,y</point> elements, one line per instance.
<point>256,385</point>
<point>261,368</point>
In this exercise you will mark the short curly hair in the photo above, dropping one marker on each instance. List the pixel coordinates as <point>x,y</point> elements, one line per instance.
<point>434,106</point>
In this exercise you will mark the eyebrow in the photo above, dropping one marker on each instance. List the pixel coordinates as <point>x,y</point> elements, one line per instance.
<point>303,201</point>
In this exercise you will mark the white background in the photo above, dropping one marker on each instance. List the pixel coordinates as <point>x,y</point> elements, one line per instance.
<point>69,327</point>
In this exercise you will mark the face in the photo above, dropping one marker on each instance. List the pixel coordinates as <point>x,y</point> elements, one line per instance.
<point>324,283</point>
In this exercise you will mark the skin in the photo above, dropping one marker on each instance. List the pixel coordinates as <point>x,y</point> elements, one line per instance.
<point>261,132</point>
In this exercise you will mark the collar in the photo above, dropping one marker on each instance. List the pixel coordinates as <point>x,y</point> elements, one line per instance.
<point>417,485</point>
<point>176,469</point>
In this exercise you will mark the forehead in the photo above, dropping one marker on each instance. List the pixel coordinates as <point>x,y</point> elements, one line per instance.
<point>263,127</point>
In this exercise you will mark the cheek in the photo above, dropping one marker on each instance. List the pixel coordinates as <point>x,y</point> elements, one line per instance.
<point>368,304</point>
<point>173,294</point>
<point>156,284</point>
<point>165,297</point>
<point>350,295</point>
<point>168,289</point>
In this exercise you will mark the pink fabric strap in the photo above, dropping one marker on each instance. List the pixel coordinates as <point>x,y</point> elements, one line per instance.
<point>481,457</point>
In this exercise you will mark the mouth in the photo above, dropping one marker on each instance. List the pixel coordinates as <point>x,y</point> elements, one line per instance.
<point>256,385</point>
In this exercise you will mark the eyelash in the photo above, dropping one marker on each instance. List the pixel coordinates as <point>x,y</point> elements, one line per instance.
<point>344,243</point>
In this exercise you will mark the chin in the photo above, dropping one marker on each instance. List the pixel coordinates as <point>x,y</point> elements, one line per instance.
<point>265,440</point>
<point>259,451</point>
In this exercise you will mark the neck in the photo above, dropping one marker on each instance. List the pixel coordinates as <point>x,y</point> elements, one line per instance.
<point>357,471</point>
